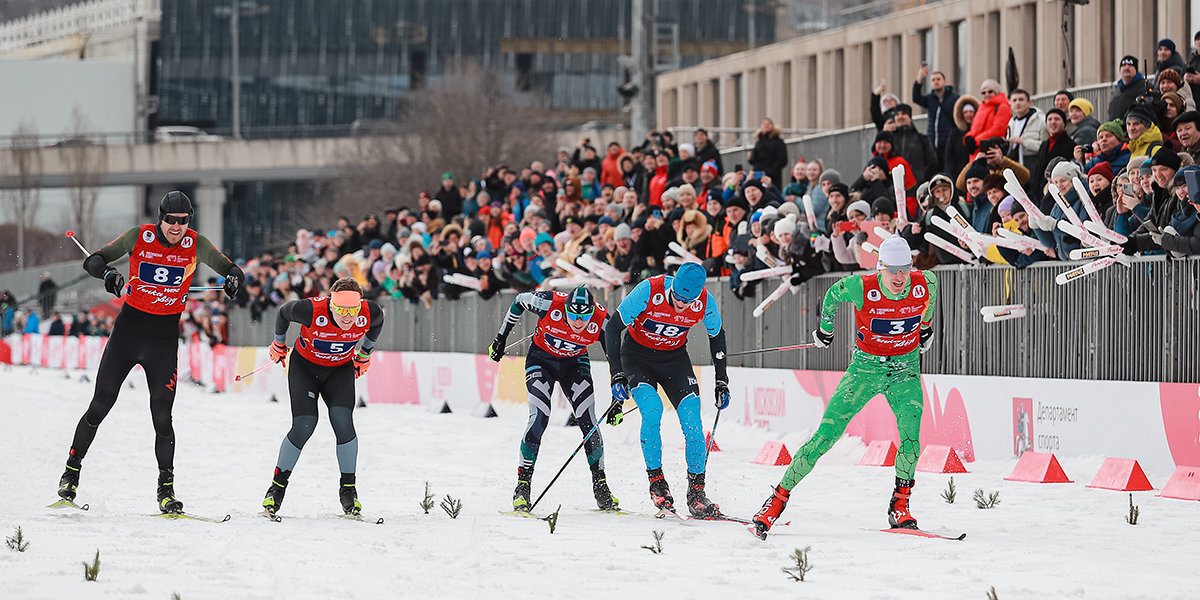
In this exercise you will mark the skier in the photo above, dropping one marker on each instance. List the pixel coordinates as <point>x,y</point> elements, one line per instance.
<point>324,364</point>
<point>658,313</point>
<point>162,259</point>
<point>567,325</point>
<point>893,308</point>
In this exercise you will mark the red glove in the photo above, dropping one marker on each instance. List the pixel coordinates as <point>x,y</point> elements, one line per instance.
<point>279,353</point>
<point>362,362</point>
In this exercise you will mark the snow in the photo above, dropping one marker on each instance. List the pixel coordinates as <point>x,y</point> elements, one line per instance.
<point>1041,541</point>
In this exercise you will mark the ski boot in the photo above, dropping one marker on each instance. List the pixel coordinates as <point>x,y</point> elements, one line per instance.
<point>898,515</point>
<point>274,498</point>
<point>167,502</point>
<point>521,493</point>
<point>605,500</point>
<point>771,509</point>
<point>348,495</point>
<point>660,494</point>
<point>70,479</point>
<point>698,503</point>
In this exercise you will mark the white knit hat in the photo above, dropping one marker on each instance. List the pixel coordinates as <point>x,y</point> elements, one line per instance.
<point>785,225</point>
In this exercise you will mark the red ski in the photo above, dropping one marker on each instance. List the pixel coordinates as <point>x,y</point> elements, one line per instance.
<point>922,533</point>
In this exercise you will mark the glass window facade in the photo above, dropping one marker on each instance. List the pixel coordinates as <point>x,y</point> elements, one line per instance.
<point>315,62</point>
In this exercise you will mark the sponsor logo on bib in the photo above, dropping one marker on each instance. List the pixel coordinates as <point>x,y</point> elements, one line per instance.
<point>874,295</point>
<point>322,321</point>
<point>361,321</point>
<point>919,291</point>
<point>187,242</point>
<point>148,236</point>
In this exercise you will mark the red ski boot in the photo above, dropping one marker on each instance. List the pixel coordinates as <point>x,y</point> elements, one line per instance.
<point>771,509</point>
<point>898,515</point>
<point>660,494</point>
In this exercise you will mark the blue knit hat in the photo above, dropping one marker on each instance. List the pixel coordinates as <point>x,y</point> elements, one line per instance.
<point>689,281</point>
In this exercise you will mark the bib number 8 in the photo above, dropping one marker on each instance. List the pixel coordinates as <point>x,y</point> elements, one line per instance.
<point>160,274</point>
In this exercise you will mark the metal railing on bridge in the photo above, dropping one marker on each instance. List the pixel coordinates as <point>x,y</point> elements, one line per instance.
<point>1131,324</point>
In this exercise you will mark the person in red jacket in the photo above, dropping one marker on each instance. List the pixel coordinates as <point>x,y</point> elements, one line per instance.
<point>658,182</point>
<point>992,118</point>
<point>610,168</point>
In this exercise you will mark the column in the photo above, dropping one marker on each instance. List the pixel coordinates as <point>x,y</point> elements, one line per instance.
<point>773,85</point>
<point>210,204</point>
<point>1049,58</point>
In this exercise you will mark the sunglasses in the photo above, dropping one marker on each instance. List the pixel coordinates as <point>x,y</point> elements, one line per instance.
<point>173,220</point>
<point>896,270</point>
<point>345,311</point>
<point>575,317</point>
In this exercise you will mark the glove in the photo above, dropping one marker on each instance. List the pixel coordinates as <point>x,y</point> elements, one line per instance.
<point>496,350</point>
<point>114,282</point>
<point>362,362</point>
<point>1157,237</point>
<point>926,339</point>
<point>233,281</point>
<point>722,392</point>
<point>1046,223</point>
<point>278,353</point>
<point>822,243</point>
<point>615,414</point>
<point>620,387</point>
<point>822,339</point>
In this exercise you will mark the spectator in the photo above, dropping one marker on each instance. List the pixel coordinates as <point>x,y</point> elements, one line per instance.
<point>589,186</point>
<point>942,195</point>
<point>57,327</point>
<point>1109,147</point>
<point>1131,86</point>
<point>958,153</point>
<point>694,234</point>
<point>1082,125</point>
<point>449,196</point>
<point>610,168</point>
<point>623,257</point>
<point>1019,222</point>
<point>658,180</point>
<point>1170,81</point>
<point>1175,107</point>
<point>1062,101</point>
<point>1026,129</point>
<point>799,184</point>
<point>1187,130</point>
<point>1057,145</point>
<point>631,171</point>
<point>985,211</point>
<point>1099,182</point>
<point>1168,58</point>
<point>992,154</point>
<point>706,150</point>
<point>1164,166</point>
<point>770,152</point>
<point>838,196</point>
<point>994,113</point>
<point>32,323</point>
<point>585,156</point>
<point>913,147</point>
<point>940,105</point>
<point>8,312</point>
<point>1182,237</point>
<point>875,181</point>
<point>1142,131</point>
<point>882,102</point>
<point>47,294</point>
<point>1191,72</point>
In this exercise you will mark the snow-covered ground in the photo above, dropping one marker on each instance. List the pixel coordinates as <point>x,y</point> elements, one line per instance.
<point>1041,541</point>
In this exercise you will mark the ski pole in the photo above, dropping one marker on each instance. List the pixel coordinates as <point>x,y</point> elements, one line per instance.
<point>796,347</point>
<point>580,447</point>
<point>71,234</point>
<point>514,344</point>
<point>241,377</point>
<point>206,288</point>
<point>712,438</point>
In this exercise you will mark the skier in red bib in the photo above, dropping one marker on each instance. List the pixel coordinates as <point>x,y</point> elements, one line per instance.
<point>162,260</point>
<point>567,325</point>
<point>324,363</point>
<point>893,309</point>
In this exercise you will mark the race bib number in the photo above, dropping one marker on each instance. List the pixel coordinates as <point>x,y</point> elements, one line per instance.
<point>561,344</point>
<point>664,329</point>
<point>155,274</point>
<point>328,347</point>
<point>895,326</point>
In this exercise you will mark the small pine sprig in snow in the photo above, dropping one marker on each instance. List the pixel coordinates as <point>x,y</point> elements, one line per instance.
<point>986,500</point>
<point>802,566</point>
<point>949,495</point>
<point>552,518</point>
<point>451,506</point>
<point>92,571</point>
<point>992,594</point>
<point>17,542</point>
<point>1131,518</point>
<point>657,547</point>
<point>176,596</point>
<point>428,502</point>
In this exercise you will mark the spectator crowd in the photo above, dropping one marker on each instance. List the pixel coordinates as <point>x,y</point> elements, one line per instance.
<point>510,226</point>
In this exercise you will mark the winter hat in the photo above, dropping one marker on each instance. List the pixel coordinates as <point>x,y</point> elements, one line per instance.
<point>622,232</point>
<point>992,142</point>
<point>894,252</point>
<point>977,170</point>
<point>710,166</point>
<point>1140,114</point>
<point>883,136</point>
<point>1191,116</point>
<point>1134,164</point>
<point>1174,99</point>
<point>1115,127</point>
<point>1167,43</point>
<point>1055,111</point>
<point>883,205</point>
<point>1017,208</point>
<point>860,206</point>
<point>878,162</point>
<point>1066,169</point>
<point>1130,60</point>
<point>739,202</point>
<point>1144,166</point>
<point>1166,158</point>
<point>483,254</point>
<point>940,179</point>
<point>605,220</point>
<point>830,175</point>
<point>1084,105</point>
<point>1007,203</point>
<point>1103,169</point>
<point>1066,93</point>
<point>543,238</point>
<point>1171,75</point>
<point>786,225</point>
<point>993,182</point>
<point>689,148</point>
<point>990,84</point>
<point>840,188</point>
<point>789,208</point>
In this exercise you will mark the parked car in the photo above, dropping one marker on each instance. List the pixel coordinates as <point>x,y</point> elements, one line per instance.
<point>184,133</point>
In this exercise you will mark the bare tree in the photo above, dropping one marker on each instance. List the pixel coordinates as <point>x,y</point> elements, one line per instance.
<point>473,119</point>
<point>86,162</point>
<point>27,167</point>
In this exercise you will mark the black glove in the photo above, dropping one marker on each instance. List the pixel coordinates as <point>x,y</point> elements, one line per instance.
<point>615,412</point>
<point>114,282</point>
<point>823,338</point>
<point>926,338</point>
<point>233,281</point>
<point>496,350</point>
<point>722,395</point>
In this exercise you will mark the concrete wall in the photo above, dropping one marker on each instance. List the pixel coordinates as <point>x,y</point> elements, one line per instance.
<point>824,80</point>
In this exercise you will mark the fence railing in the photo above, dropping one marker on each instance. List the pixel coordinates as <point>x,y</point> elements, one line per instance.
<point>1130,324</point>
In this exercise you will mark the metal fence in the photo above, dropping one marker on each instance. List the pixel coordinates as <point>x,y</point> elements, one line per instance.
<point>1129,324</point>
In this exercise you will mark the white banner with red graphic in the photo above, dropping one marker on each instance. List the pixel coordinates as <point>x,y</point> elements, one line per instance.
<point>984,418</point>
